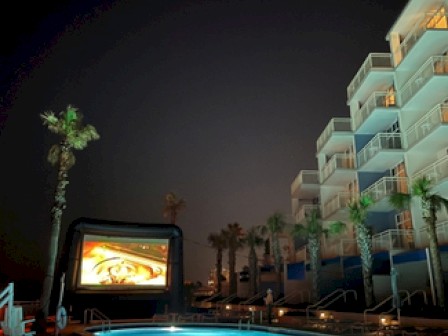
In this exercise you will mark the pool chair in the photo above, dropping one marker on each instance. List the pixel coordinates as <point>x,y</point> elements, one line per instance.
<point>14,324</point>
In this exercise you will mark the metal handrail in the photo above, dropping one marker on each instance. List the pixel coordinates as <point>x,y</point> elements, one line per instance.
<point>252,299</point>
<point>344,294</point>
<point>105,321</point>
<point>212,297</point>
<point>307,310</point>
<point>291,295</point>
<point>408,298</point>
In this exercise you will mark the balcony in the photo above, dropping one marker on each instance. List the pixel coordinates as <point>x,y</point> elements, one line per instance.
<point>431,128</point>
<point>336,207</point>
<point>339,248</point>
<point>437,173</point>
<point>305,185</point>
<point>422,240</point>
<point>383,151</point>
<point>380,191</point>
<point>336,137</point>
<point>430,34</point>
<point>305,210</point>
<point>339,170</point>
<point>393,239</point>
<point>374,65</point>
<point>377,113</point>
<point>430,84</point>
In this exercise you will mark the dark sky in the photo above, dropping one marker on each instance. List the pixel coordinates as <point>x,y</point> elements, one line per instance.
<point>218,101</point>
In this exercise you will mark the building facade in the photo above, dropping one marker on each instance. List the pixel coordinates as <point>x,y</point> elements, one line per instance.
<point>396,132</point>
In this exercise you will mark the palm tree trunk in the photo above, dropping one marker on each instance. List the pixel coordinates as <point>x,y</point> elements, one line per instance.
<point>435,257</point>
<point>277,262</point>
<point>56,217</point>
<point>252,272</point>
<point>365,246</point>
<point>232,275</point>
<point>219,270</point>
<point>314,248</point>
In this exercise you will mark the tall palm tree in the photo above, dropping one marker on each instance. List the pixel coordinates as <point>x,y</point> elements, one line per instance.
<point>219,242</point>
<point>73,135</point>
<point>274,227</point>
<point>313,231</point>
<point>234,234</point>
<point>253,239</point>
<point>431,203</point>
<point>358,209</point>
<point>173,206</point>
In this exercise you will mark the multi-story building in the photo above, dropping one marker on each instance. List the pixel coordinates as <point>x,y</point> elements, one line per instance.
<point>396,131</point>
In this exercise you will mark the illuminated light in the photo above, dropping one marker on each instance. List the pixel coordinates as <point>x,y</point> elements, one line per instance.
<point>228,307</point>
<point>281,312</point>
<point>251,308</point>
<point>173,328</point>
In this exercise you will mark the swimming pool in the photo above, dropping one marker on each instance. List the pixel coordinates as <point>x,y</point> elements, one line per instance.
<point>223,330</point>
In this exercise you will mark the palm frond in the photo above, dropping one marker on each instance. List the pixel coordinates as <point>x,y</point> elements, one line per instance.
<point>400,200</point>
<point>421,187</point>
<point>337,227</point>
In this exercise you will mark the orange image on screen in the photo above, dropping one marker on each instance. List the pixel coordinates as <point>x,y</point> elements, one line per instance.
<point>124,263</point>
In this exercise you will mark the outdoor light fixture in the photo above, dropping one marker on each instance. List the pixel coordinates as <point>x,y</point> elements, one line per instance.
<point>325,315</point>
<point>281,312</point>
<point>251,308</point>
<point>385,320</point>
<point>228,307</point>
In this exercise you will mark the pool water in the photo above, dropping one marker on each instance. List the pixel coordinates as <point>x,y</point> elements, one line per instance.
<point>188,331</point>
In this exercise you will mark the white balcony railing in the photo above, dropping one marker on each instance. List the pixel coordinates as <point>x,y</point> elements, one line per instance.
<point>377,61</point>
<point>435,172</point>
<point>376,100</point>
<point>436,65</point>
<point>338,202</point>
<point>441,231</point>
<point>381,141</point>
<point>305,177</point>
<point>435,20</point>
<point>335,125</point>
<point>393,239</point>
<point>436,117</point>
<point>385,187</point>
<point>337,161</point>
<point>306,210</point>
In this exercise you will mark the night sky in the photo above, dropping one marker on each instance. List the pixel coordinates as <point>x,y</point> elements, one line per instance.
<point>218,101</point>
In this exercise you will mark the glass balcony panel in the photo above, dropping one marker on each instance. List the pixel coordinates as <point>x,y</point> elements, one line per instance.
<point>373,61</point>
<point>337,161</point>
<point>435,172</point>
<point>338,202</point>
<point>393,239</point>
<point>436,65</point>
<point>335,125</point>
<point>436,117</point>
<point>437,20</point>
<point>386,186</point>
<point>376,100</point>
<point>381,141</point>
<point>441,231</point>
<point>306,210</point>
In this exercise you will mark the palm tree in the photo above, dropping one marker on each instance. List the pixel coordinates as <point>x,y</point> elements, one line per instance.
<point>253,239</point>
<point>358,209</point>
<point>234,234</point>
<point>274,227</point>
<point>431,204</point>
<point>219,243</point>
<point>313,231</point>
<point>173,206</point>
<point>73,135</point>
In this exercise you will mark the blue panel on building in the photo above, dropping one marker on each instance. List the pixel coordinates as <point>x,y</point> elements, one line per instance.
<point>331,261</point>
<point>296,271</point>
<point>351,261</point>
<point>408,256</point>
